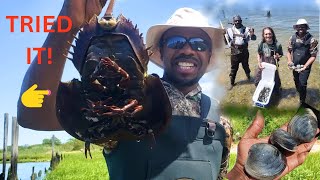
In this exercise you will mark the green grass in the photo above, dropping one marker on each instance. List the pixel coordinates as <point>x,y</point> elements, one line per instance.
<point>241,117</point>
<point>76,166</point>
<point>34,153</point>
<point>42,152</point>
<point>309,170</point>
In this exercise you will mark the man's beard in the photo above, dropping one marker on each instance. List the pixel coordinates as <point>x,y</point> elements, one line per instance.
<point>302,34</point>
<point>238,26</point>
<point>180,82</point>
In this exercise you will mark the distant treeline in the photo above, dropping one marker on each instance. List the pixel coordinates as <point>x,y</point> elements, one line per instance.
<point>43,152</point>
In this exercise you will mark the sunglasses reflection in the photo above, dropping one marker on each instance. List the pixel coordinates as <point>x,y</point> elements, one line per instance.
<point>178,42</point>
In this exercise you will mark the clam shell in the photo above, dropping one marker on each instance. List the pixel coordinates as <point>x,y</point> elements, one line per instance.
<point>283,139</point>
<point>264,161</point>
<point>303,126</point>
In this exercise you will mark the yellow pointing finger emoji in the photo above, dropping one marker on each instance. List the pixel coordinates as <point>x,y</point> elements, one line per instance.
<point>33,98</point>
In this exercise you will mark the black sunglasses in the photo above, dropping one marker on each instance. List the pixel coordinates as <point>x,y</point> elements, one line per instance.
<point>178,42</point>
<point>301,26</point>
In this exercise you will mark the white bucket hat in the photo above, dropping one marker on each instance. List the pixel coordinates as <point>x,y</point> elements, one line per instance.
<point>300,22</point>
<point>183,17</point>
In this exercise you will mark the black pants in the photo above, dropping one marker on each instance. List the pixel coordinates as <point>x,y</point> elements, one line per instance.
<point>242,58</point>
<point>300,80</point>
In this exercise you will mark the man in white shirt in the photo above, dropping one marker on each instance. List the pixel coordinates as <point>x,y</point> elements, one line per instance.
<point>239,36</point>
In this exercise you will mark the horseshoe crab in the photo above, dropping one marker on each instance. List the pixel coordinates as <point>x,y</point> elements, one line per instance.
<point>264,161</point>
<point>115,97</point>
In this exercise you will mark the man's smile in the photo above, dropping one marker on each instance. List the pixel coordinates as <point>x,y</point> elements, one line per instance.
<point>186,65</point>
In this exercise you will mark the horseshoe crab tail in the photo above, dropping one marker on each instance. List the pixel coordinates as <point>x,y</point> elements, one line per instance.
<point>109,9</point>
<point>108,21</point>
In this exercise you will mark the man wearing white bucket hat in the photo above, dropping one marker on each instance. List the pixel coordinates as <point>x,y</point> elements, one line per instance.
<point>192,147</point>
<point>184,47</point>
<point>302,52</point>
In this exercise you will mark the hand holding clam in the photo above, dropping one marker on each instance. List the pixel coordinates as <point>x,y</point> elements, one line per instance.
<point>250,139</point>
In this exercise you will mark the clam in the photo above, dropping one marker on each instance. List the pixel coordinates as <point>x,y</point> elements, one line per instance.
<point>303,126</point>
<point>283,139</point>
<point>264,161</point>
<point>264,94</point>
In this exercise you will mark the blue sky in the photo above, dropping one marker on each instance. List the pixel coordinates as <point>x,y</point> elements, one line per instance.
<point>145,13</point>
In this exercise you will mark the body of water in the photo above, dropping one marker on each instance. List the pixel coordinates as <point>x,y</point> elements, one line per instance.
<point>25,169</point>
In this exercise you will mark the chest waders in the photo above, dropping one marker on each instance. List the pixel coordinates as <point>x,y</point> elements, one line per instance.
<point>301,54</point>
<point>301,51</point>
<point>239,54</point>
<point>236,49</point>
<point>188,149</point>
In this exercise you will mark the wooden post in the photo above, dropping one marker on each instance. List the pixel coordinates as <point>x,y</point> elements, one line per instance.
<point>33,174</point>
<point>14,150</point>
<point>5,140</point>
<point>52,162</point>
<point>52,145</point>
<point>39,173</point>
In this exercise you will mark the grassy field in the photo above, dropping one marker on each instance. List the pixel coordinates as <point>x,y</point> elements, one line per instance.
<point>34,153</point>
<point>42,152</point>
<point>75,166</point>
